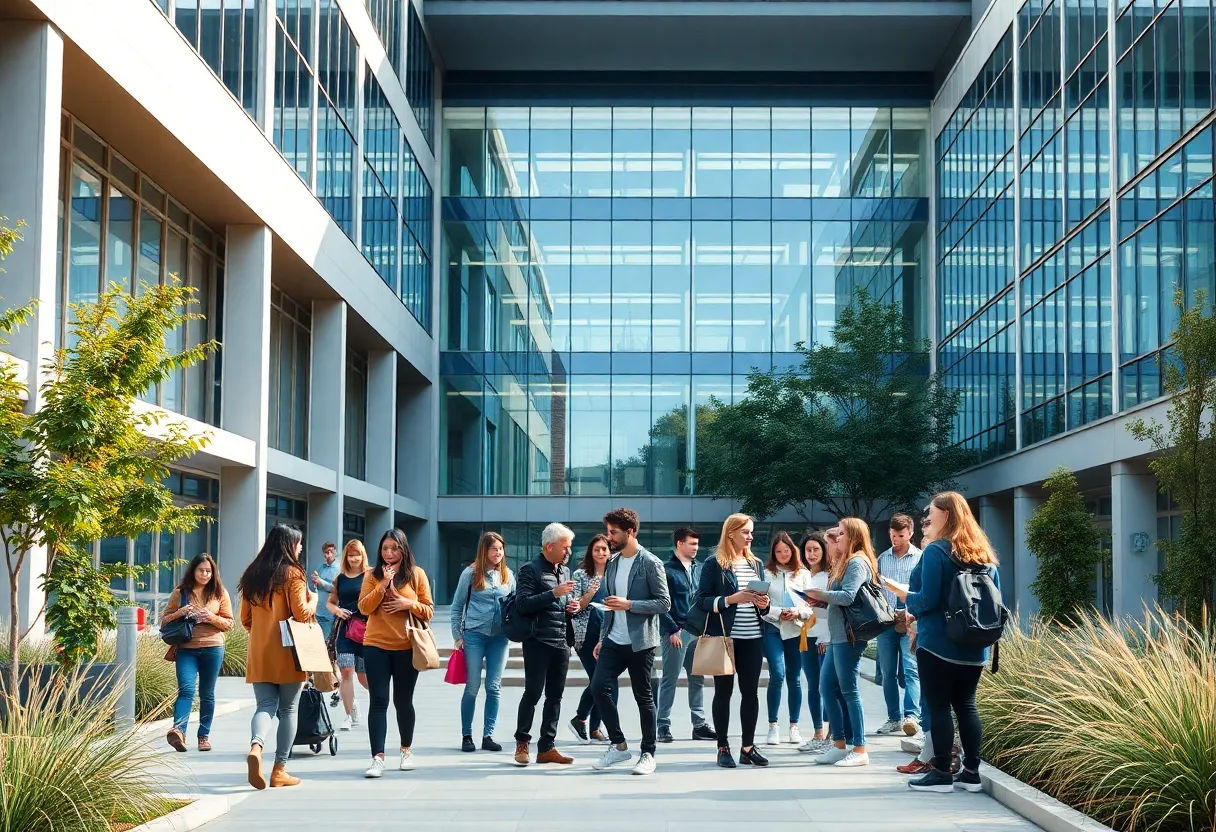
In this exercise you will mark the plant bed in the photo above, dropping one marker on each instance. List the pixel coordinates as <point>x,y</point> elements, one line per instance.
<point>1117,720</point>
<point>128,821</point>
<point>97,681</point>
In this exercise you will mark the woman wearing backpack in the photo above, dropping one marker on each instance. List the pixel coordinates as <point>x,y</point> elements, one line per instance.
<point>852,566</point>
<point>950,672</point>
<point>477,630</point>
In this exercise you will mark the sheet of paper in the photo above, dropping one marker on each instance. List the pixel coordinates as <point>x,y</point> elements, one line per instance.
<point>285,634</point>
<point>599,606</point>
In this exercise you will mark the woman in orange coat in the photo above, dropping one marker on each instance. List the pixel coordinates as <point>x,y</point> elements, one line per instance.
<point>274,589</point>
<point>395,594</point>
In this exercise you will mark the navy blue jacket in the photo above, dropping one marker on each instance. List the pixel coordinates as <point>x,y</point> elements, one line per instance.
<point>681,590</point>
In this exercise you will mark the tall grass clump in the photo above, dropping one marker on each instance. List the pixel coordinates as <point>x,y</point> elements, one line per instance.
<point>62,765</point>
<point>236,652</point>
<point>1117,719</point>
<point>155,678</point>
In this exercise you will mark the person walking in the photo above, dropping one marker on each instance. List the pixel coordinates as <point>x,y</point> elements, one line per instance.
<point>783,633</point>
<point>854,566</point>
<point>589,588</point>
<point>629,638</point>
<point>343,603</point>
<point>895,645</point>
<point>274,589</point>
<point>477,628</point>
<point>951,671</point>
<point>734,611</point>
<point>813,641</point>
<point>396,596</point>
<point>322,580</point>
<point>542,596</point>
<point>201,598</point>
<point>678,643</point>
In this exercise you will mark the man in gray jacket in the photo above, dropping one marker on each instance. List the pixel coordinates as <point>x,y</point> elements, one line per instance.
<point>629,637</point>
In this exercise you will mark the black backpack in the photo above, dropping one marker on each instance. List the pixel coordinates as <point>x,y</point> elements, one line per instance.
<point>515,625</point>
<point>870,614</point>
<point>975,616</point>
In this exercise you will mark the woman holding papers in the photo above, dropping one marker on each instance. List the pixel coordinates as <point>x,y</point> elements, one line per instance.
<point>813,642</point>
<point>783,633</point>
<point>590,590</point>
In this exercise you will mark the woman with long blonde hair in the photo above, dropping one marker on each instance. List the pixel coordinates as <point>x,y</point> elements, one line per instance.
<point>949,671</point>
<point>343,603</point>
<point>731,609</point>
<point>477,628</point>
<point>851,565</point>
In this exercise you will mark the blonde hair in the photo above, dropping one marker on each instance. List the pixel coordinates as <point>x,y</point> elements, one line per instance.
<point>481,563</point>
<point>727,553</point>
<point>856,543</point>
<point>357,546</point>
<point>967,540</point>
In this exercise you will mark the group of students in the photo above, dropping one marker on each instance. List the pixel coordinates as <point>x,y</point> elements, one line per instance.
<point>619,609</point>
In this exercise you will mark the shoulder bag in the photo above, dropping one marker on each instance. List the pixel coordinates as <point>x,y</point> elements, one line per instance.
<point>870,613</point>
<point>179,630</point>
<point>422,643</point>
<point>715,655</point>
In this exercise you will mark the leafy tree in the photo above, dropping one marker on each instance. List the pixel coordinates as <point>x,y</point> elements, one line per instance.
<point>861,427</point>
<point>1062,535</point>
<point>90,463</point>
<point>1186,464</point>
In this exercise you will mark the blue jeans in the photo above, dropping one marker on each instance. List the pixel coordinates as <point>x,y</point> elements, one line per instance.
<point>201,664</point>
<point>840,688</point>
<point>782,654</point>
<point>893,649</point>
<point>493,651</point>
<point>812,662</point>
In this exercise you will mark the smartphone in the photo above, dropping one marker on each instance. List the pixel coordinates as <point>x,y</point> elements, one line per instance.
<point>758,587</point>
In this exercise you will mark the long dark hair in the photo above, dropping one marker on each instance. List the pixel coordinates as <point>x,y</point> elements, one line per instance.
<point>588,564</point>
<point>405,569</point>
<point>796,561</point>
<point>214,590</point>
<point>823,552</point>
<point>273,563</point>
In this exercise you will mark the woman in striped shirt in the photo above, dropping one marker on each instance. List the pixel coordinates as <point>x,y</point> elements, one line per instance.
<point>731,610</point>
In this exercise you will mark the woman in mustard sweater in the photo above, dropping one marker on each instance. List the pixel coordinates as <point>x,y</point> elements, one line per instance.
<point>395,592</point>
<point>274,589</point>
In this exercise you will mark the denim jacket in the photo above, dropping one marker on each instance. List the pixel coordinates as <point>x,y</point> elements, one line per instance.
<point>478,610</point>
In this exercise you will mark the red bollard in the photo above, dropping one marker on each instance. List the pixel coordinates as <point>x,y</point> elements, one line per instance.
<point>141,615</point>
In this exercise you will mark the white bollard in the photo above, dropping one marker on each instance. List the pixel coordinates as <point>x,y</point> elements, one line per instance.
<point>124,667</point>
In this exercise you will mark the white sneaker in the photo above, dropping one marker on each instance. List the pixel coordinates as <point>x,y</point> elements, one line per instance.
<point>814,746</point>
<point>407,761</point>
<point>853,760</point>
<point>354,715</point>
<point>612,755</point>
<point>795,734</point>
<point>377,769</point>
<point>912,746</point>
<point>891,726</point>
<point>774,736</point>
<point>645,764</point>
<point>346,722</point>
<point>832,756</point>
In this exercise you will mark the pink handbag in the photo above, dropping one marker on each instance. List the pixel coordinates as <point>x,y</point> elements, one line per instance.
<point>458,671</point>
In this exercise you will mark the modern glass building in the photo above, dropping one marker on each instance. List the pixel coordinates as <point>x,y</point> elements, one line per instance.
<point>478,264</point>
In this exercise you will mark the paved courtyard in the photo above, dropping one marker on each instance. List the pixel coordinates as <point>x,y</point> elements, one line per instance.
<point>484,792</point>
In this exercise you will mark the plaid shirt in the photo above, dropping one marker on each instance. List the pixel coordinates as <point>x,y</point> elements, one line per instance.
<point>898,569</point>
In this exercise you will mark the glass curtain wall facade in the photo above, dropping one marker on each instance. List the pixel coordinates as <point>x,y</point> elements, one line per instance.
<point>1068,220</point>
<point>225,35</point>
<point>290,351</point>
<point>609,269</point>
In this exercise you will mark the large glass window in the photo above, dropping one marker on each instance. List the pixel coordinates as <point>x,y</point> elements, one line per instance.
<point>290,351</point>
<point>419,75</point>
<point>294,85</point>
<point>225,35</point>
<point>381,163</point>
<point>355,441</point>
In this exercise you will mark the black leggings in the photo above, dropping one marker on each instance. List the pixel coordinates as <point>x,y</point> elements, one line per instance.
<point>382,667</point>
<point>749,657</point>
<point>948,686</point>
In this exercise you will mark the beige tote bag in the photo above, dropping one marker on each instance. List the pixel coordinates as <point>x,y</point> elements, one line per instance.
<point>426,655</point>
<point>715,655</point>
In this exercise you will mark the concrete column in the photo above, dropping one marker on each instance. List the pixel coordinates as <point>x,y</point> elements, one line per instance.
<point>1025,566</point>
<point>381,421</point>
<point>1133,497</point>
<point>327,421</point>
<point>995,517</point>
<point>31,64</point>
<point>246,389</point>
<point>376,522</point>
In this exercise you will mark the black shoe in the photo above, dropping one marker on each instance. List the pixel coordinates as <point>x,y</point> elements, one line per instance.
<point>968,781</point>
<point>578,727</point>
<point>724,758</point>
<point>466,744</point>
<point>488,744</point>
<point>665,735</point>
<point>704,732</point>
<point>752,758</point>
<point>935,781</point>
<point>335,699</point>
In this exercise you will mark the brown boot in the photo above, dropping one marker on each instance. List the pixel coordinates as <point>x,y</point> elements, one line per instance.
<point>176,739</point>
<point>253,761</point>
<point>280,777</point>
<point>204,744</point>
<point>554,756</point>
<point>522,758</point>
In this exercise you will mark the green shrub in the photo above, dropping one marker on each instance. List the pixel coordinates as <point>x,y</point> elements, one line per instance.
<point>1115,719</point>
<point>62,765</point>
<point>236,652</point>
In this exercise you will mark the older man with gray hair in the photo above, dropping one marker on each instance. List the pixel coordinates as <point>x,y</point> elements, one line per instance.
<point>542,597</point>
